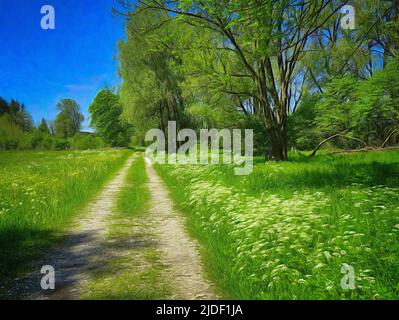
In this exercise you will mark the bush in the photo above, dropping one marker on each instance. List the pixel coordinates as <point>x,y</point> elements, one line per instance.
<point>86,141</point>
<point>10,134</point>
<point>60,144</point>
<point>13,138</point>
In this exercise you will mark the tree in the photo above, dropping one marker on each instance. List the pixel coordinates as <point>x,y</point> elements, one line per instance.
<point>3,106</point>
<point>17,113</point>
<point>304,133</point>
<point>69,120</point>
<point>268,38</point>
<point>376,111</point>
<point>334,110</point>
<point>259,58</point>
<point>152,76</point>
<point>385,36</point>
<point>43,126</point>
<point>366,111</point>
<point>10,134</point>
<point>24,120</point>
<point>106,110</point>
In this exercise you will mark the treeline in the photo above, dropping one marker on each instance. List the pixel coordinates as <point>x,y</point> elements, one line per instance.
<point>18,131</point>
<point>287,69</point>
<point>354,113</point>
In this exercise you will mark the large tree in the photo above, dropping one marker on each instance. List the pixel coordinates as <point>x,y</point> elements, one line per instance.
<point>69,119</point>
<point>268,38</point>
<point>106,111</point>
<point>257,57</point>
<point>43,126</point>
<point>152,76</point>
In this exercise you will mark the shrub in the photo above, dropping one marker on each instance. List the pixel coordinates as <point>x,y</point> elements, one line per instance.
<point>86,141</point>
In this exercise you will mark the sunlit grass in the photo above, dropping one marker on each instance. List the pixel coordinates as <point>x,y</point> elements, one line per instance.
<point>284,231</point>
<point>133,199</point>
<point>39,194</point>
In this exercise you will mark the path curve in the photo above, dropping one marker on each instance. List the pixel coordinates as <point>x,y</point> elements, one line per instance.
<point>85,251</point>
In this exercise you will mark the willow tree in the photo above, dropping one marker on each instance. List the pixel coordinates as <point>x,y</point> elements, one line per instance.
<point>151,71</point>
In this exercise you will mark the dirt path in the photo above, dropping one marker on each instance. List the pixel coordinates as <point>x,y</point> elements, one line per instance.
<point>180,252</point>
<point>89,249</point>
<point>81,252</point>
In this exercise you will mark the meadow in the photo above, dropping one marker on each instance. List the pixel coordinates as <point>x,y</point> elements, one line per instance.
<point>39,194</point>
<point>286,230</point>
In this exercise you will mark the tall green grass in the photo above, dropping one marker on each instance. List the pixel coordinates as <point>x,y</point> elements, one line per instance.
<point>285,231</point>
<point>134,196</point>
<point>39,194</point>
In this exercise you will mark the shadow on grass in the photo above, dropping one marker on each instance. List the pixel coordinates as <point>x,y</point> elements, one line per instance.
<point>323,171</point>
<point>18,248</point>
<point>334,176</point>
<point>79,257</point>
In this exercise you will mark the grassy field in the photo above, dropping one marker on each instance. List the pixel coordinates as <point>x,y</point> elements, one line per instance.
<point>40,192</point>
<point>285,231</point>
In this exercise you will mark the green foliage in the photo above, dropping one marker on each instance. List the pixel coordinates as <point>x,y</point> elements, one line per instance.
<point>86,141</point>
<point>18,115</point>
<point>61,144</point>
<point>15,121</point>
<point>334,109</point>
<point>376,111</point>
<point>106,111</point>
<point>40,140</point>
<point>43,127</point>
<point>209,57</point>
<point>153,76</point>
<point>17,131</point>
<point>206,117</point>
<point>69,119</point>
<point>10,133</point>
<point>370,107</point>
<point>303,133</point>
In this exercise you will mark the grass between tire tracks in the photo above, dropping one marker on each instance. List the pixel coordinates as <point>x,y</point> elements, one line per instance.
<point>135,273</point>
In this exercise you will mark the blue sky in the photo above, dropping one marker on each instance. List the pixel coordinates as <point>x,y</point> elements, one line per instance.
<point>40,67</point>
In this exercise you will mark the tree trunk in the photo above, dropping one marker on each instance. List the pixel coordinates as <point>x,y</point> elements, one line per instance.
<point>276,132</point>
<point>278,143</point>
<point>274,106</point>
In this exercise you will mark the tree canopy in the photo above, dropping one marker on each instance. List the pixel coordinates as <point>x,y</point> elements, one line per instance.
<point>286,68</point>
<point>106,110</point>
<point>69,119</point>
